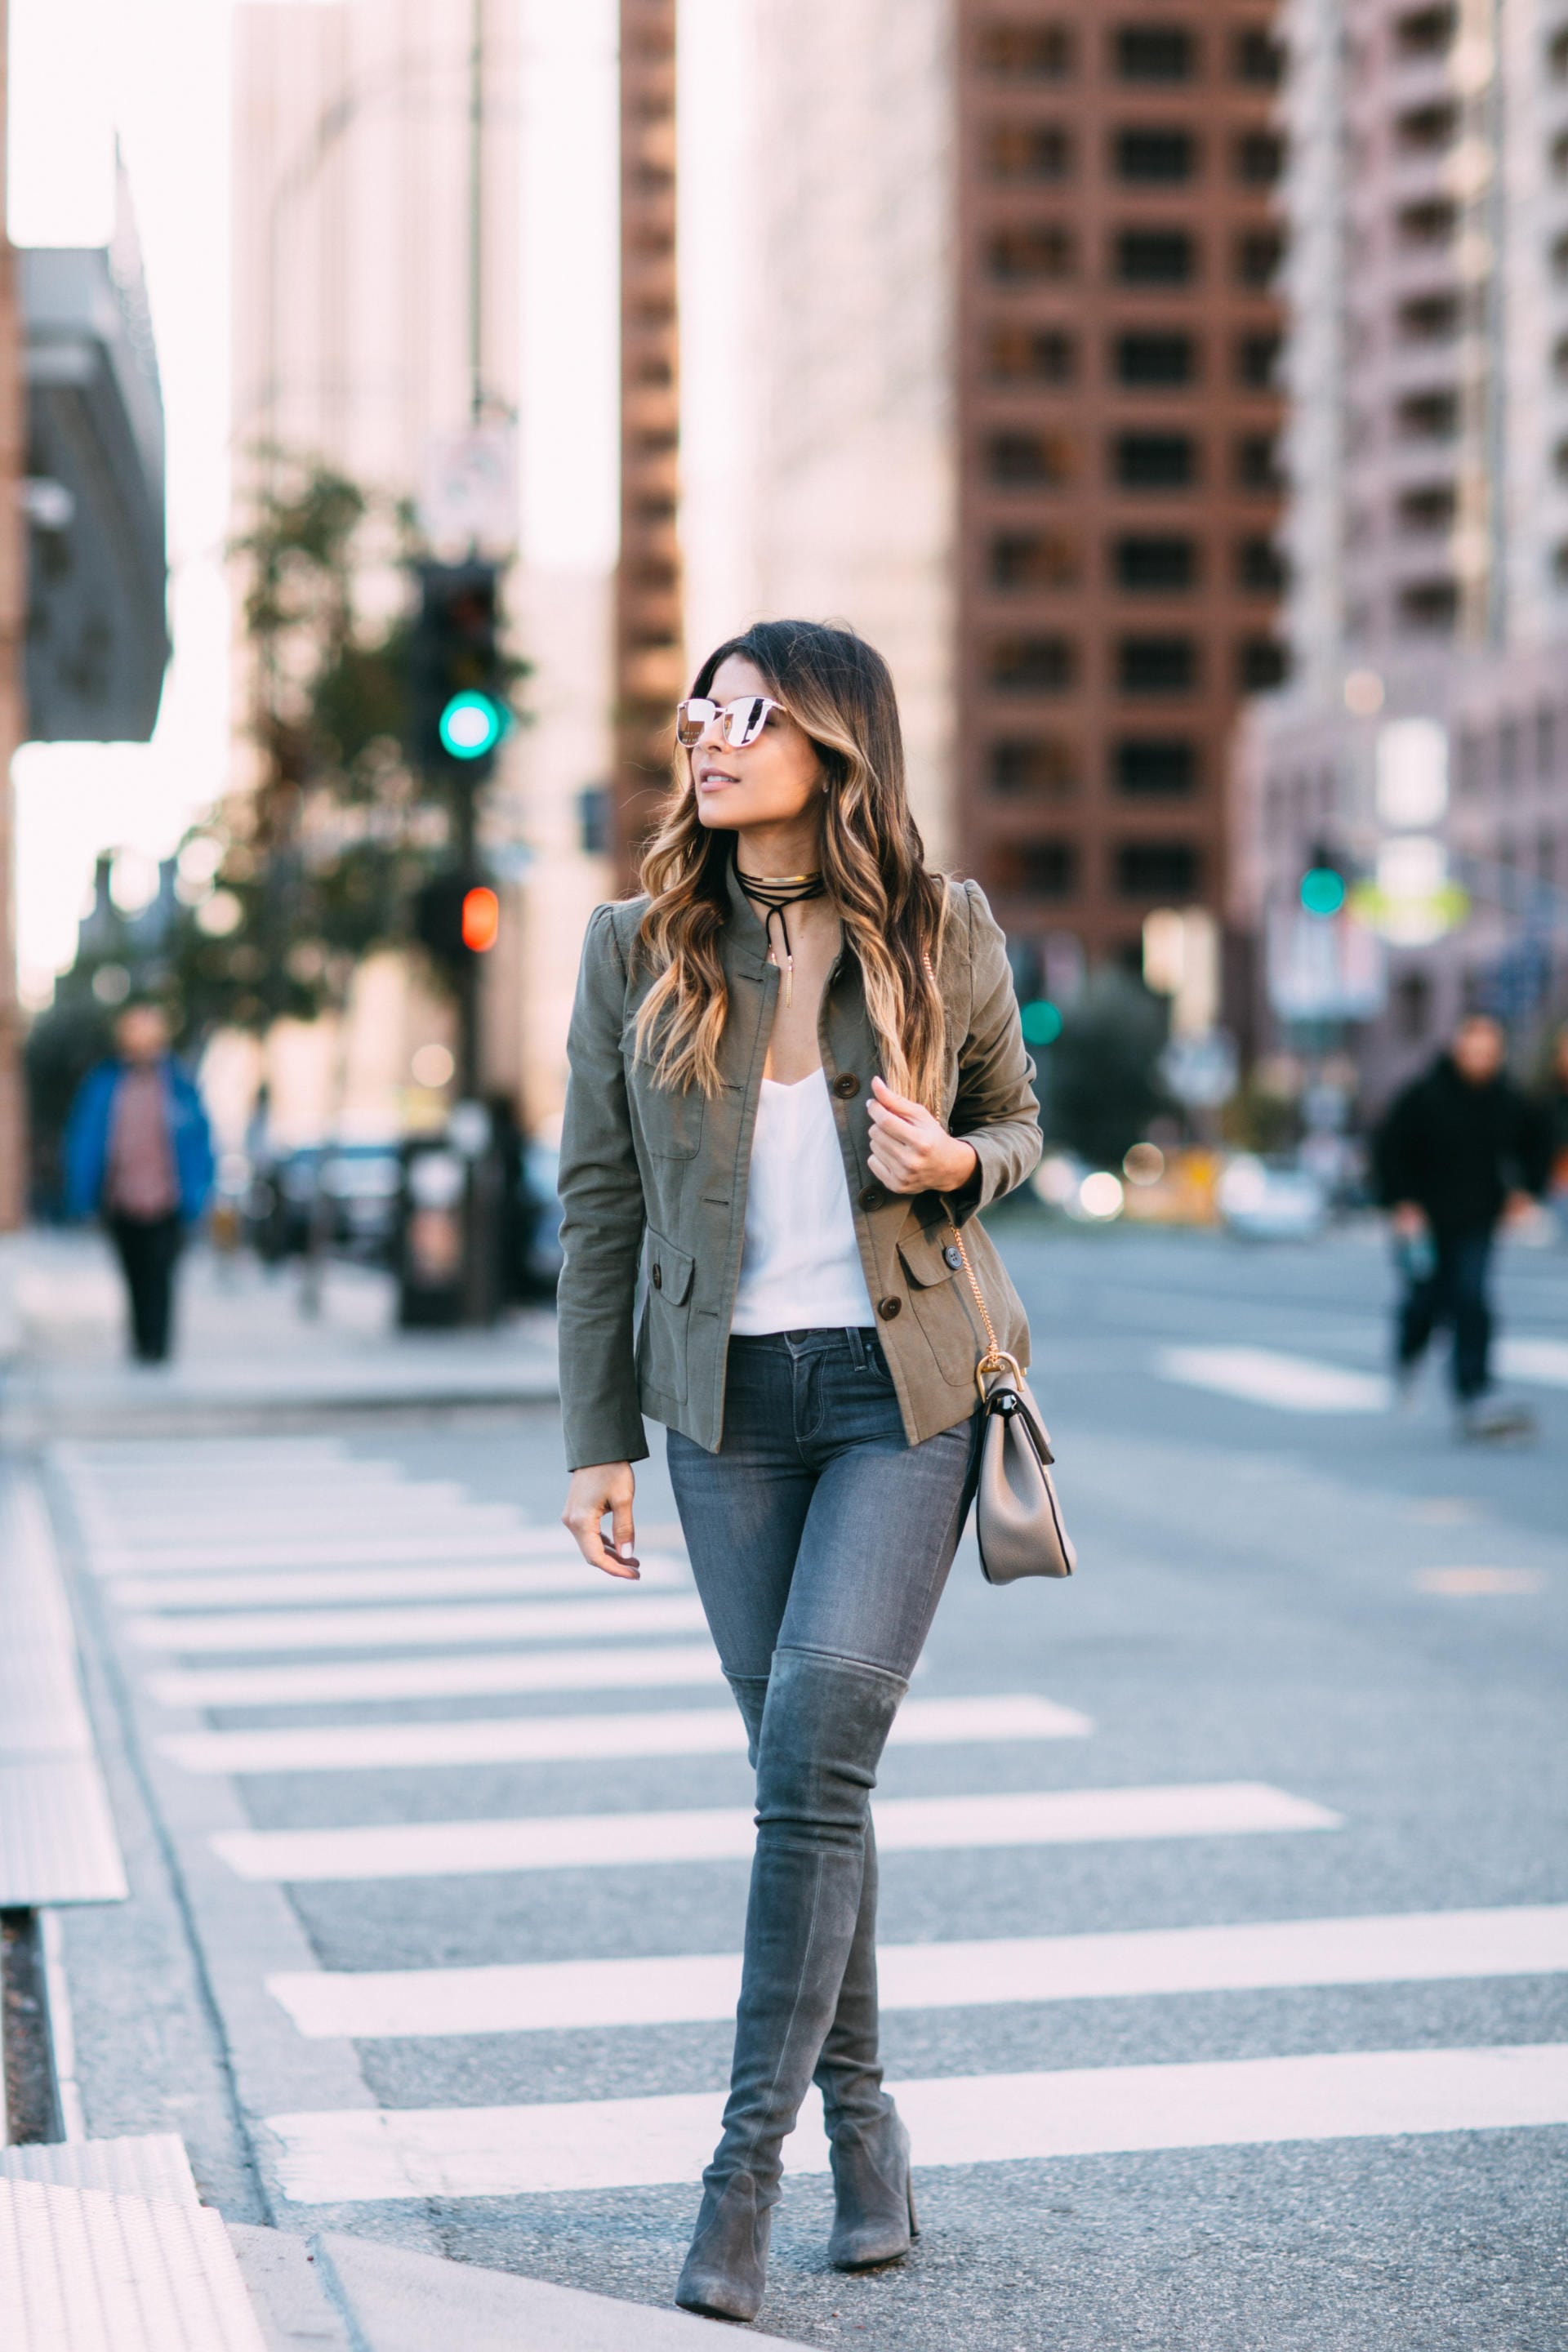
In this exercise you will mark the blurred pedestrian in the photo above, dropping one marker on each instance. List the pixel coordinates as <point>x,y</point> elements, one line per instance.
<point>1555,1106</point>
<point>1461,1152</point>
<point>138,1153</point>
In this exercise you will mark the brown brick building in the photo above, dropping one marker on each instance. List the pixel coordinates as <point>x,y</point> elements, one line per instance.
<point>1117,481</point>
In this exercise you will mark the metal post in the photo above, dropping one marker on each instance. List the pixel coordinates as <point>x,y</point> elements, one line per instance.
<point>476,211</point>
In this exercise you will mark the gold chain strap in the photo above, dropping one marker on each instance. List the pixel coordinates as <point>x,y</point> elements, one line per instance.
<point>995,1358</point>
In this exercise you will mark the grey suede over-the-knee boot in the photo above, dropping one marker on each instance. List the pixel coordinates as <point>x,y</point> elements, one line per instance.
<point>824,1725</point>
<point>874,2218</point>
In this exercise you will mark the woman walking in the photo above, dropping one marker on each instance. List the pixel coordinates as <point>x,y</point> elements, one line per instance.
<point>796,1071</point>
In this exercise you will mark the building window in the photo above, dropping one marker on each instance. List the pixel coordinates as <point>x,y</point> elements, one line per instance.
<point>1428,129</point>
<point>1429,605</point>
<point>1258,462</point>
<point>1155,256</point>
<point>1155,567</point>
<point>1153,155</point>
<point>1508,755</point>
<point>1028,150</point>
<point>1427,417</point>
<point>1154,768</point>
<point>1041,870</point>
<point>1158,869</point>
<point>1033,559</point>
<point>1557,56</point>
<point>1429,319</point>
<point>1471,763</point>
<point>1154,362</point>
<point>1259,158</point>
<point>1035,767</point>
<point>1559,157</point>
<point>1261,665</point>
<point>1429,223</point>
<point>1031,665</point>
<point>1153,53</point>
<point>1028,52</point>
<point>1424,32</point>
<point>1155,461</point>
<point>1028,460</point>
<point>1256,357</point>
<point>1017,257</point>
<point>1031,355</point>
<point>1259,254</point>
<point>1156,665</point>
<point>1255,57</point>
<point>1560,359</point>
<point>1560,461</point>
<point>1545,741</point>
<point>1560,259</point>
<point>1259,568</point>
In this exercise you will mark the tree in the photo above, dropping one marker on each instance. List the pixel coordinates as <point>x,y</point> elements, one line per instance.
<point>1104,1086</point>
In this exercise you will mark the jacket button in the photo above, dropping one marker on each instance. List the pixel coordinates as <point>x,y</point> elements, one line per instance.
<point>658,1277</point>
<point>888,1308</point>
<point>845,1085</point>
<point>953,1256</point>
<point>871,1196</point>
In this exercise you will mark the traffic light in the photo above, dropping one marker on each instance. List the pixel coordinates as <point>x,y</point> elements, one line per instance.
<point>459,672</point>
<point>456,917</point>
<point>1325,885</point>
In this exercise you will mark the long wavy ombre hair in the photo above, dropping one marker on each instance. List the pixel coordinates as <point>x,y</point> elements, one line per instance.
<point>841,692</point>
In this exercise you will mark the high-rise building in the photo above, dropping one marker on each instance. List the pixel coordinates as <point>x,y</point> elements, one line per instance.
<point>1116,417</point>
<point>650,655</point>
<point>1427,529</point>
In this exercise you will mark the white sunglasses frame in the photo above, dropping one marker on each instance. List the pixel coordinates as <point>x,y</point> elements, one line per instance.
<point>724,710</point>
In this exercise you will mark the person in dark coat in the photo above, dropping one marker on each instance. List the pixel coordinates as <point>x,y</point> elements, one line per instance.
<point>1461,1152</point>
<point>138,1153</point>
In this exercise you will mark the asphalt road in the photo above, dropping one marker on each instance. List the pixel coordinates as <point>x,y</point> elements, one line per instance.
<point>1324,1638</point>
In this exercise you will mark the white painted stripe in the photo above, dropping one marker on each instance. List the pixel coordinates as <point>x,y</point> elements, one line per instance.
<point>314,1585</point>
<point>609,1616</point>
<point>1423,1947</point>
<point>363,2155</point>
<point>1263,1376</point>
<point>904,1825</point>
<point>1542,1362</point>
<point>365,1682</point>
<point>433,1545</point>
<point>556,1739</point>
<point>155,1503</point>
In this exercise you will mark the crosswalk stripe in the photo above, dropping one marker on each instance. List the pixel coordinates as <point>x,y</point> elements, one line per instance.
<point>313,1586</point>
<point>558,1739</point>
<point>479,1675</point>
<point>607,1616</point>
<point>1266,1376</point>
<point>555,1996</point>
<point>438,1542</point>
<point>272,1505</point>
<point>1544,1361</point>
<point>904,1825</point>
<point>362,2155</point>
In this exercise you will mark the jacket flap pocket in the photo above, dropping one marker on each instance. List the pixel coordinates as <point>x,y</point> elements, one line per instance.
<point>669,1269</point>
<point>928,1256</point>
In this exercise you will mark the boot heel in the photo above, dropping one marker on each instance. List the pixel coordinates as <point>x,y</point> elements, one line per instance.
<point>910,2191</point>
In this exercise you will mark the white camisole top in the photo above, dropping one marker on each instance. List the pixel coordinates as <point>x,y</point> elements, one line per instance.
<point>800,1267</point>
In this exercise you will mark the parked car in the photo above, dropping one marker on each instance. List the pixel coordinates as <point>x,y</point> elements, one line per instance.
<point>1271,1199</point>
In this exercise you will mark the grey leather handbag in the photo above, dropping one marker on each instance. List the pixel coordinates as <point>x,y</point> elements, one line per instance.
<point>1017,1518</point>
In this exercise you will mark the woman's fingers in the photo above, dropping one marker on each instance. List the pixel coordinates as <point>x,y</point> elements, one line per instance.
<point>883,1093</point>
<point>624,1536</point>
<point>591,1494</point>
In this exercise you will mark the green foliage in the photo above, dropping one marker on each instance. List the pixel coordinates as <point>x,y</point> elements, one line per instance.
<point>1102,1085</point>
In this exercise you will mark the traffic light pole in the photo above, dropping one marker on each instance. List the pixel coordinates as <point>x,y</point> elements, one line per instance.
<point>470,1068</point>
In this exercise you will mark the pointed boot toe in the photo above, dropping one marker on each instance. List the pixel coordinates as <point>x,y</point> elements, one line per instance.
<point>874,2207</point>
<point>726,2269</point>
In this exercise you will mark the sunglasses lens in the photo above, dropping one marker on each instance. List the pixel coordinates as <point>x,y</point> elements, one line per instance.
<point>691,718</point>
<point>747,719</point>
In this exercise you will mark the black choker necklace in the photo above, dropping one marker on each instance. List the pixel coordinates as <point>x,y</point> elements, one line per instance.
<point>775,892</point>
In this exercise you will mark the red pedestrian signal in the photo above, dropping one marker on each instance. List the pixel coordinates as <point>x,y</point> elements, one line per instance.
<point>482,919</point>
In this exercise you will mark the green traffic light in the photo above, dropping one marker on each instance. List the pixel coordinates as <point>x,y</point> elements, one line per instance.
<point>1041,1023</point>
<point>471,725</point>
<point>1322,890</point>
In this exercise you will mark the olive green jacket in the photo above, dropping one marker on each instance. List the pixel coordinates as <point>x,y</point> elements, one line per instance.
<point>649,1173</point>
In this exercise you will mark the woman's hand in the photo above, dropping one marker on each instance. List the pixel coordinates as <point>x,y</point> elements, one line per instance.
<point>603,1487</point>
<point>912,1151</point>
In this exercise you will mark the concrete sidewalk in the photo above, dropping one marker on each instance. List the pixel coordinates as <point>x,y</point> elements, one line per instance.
<point>245,1347</point>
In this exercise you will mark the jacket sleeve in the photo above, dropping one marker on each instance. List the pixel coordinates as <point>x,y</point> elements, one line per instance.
<point>603,1216</point>
<point>995,1108</point>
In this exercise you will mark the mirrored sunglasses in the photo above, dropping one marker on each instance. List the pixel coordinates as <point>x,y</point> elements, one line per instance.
<point>744,721</point>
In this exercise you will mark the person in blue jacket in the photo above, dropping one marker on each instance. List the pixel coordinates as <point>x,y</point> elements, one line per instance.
<point>139,1154</point>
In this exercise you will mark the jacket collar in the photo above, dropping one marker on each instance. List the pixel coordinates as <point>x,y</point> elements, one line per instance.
<point>747,939</point>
